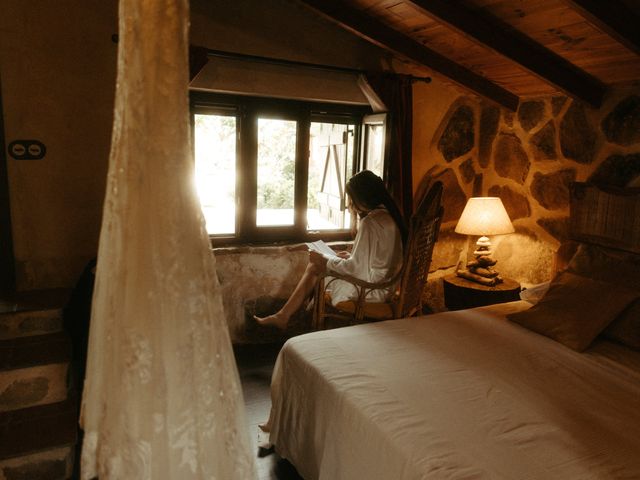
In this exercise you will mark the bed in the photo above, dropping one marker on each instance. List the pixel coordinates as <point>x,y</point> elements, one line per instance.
<point>457,395</point>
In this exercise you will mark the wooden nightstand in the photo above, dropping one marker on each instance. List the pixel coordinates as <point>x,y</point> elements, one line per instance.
<point>460,293</point>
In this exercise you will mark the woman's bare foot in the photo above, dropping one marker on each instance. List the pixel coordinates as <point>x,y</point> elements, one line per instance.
<point>277,320</point>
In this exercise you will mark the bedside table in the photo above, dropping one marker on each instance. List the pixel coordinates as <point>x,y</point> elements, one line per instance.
<point>460,293</point>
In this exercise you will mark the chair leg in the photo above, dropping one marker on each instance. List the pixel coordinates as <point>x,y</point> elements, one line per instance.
<point>358,315</point>
<point>318,307</point>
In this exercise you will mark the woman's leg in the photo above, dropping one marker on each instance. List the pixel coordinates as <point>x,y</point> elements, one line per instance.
<point>302,291</point>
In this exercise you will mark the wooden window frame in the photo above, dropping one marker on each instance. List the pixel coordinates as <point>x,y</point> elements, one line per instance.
<point>368,120</point>
<point>247,110</point>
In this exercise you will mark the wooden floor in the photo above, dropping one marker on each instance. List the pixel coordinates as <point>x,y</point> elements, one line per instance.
<point>255,365</point>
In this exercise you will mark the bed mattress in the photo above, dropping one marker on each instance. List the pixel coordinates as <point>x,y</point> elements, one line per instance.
<point>456,395</point>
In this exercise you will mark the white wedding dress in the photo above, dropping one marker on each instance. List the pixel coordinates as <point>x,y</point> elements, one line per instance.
<point>162,397</point>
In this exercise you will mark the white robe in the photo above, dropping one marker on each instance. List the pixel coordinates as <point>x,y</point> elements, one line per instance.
<point>376,256</point>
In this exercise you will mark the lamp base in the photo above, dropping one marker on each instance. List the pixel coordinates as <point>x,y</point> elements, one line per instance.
<point>482,280</point>
<point>481,269</point>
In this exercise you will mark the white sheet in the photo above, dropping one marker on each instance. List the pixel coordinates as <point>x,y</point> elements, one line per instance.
<point>458,395</point>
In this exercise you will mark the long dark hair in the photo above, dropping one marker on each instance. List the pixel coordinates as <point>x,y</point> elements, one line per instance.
<point>368,190</point>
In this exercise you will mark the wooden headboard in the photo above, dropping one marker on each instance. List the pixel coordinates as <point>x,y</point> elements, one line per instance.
<point>608,217</point>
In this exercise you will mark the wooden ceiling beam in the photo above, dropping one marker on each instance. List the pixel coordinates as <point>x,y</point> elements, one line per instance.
<point>612,17</point>
<point>504,40</point>
<point>380,34</point>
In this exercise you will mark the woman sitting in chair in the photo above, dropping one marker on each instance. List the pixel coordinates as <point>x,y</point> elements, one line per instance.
<point>376,253</point>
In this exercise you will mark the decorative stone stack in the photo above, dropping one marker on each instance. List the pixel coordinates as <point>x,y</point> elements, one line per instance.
<point>38,416</point>
<point>481,270</point>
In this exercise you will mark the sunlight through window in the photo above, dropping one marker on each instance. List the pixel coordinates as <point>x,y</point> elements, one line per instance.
<point>215,169</point>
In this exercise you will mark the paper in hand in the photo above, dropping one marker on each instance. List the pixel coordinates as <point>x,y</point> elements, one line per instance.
<point>322,248</point>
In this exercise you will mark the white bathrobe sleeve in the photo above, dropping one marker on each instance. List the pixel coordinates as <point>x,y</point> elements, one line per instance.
<point>376,255</point>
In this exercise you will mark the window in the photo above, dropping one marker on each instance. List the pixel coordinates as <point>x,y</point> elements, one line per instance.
<point>374,142</point>
<point>215,151</point>
<point>275,170</point>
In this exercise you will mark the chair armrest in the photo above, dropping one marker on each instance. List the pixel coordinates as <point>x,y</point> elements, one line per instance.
<point>362,287</point>
<point>363,284</point>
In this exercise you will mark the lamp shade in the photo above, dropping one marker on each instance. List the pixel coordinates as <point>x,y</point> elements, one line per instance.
<point>484,216</point>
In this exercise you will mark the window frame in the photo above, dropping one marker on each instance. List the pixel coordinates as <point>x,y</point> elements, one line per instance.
<point>247,110</point>
<point>377,119</point>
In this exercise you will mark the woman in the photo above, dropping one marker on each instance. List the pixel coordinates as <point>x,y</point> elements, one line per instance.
<point>376,255</point>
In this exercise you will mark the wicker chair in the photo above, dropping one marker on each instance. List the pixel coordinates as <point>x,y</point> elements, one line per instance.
<point>412,276</point>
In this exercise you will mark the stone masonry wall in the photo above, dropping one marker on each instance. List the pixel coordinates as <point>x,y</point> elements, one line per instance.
<point>528,159</point>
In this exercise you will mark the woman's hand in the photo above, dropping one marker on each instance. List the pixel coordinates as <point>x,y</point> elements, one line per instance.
<point>318,261</point>
<point>344,254</point>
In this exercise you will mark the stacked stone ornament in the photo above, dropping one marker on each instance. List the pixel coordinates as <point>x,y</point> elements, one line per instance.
<point>480,270</point>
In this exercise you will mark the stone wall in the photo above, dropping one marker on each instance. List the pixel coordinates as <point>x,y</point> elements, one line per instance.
<point>528,159</point>
<point>253,281</point>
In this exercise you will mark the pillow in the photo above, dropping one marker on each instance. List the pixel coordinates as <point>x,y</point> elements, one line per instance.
<point>575,309</point>
<point>621,269</point>
<point>626,328</point>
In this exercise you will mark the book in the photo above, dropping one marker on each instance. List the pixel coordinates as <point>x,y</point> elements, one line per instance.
<point>322,248</point>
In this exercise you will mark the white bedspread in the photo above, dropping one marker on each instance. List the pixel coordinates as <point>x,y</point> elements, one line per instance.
<point>458,395</point>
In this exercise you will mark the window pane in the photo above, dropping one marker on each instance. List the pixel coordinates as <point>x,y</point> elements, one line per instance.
<point>276,171</point>
<point>215,155</point>
<point>330,164</point>
<point>375,148</point>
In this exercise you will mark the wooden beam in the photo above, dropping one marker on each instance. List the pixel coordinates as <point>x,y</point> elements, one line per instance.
<point>612,17</point>
<point>382,35</point>
<point>504,40</point>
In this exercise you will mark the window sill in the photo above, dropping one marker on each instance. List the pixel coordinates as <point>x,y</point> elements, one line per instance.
<point>274,249</point>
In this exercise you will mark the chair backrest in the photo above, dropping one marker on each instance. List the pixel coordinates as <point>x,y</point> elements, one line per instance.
<point>423,233</point>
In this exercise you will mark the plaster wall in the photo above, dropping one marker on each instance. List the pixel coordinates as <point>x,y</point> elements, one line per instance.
<point>251,276</point>
<point>431,103</point>
<point>57,65</point>
<point>58,70</point>
<point>281,29</point>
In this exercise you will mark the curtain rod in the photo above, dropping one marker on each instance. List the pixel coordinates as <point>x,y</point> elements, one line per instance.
<point>281,61</point>
<point>295,63</point>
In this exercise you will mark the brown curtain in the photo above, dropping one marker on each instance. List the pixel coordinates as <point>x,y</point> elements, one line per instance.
<point>396,93</point>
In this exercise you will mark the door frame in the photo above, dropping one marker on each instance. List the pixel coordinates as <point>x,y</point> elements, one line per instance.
<point>7,257</point>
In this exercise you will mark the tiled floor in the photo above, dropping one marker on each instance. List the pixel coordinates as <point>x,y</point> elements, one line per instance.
<point>255,365</point>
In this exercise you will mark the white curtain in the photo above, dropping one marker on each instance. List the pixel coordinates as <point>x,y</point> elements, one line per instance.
<point>162,398</point>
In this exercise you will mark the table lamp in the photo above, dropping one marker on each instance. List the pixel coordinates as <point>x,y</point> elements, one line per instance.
<point>483,216</point>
